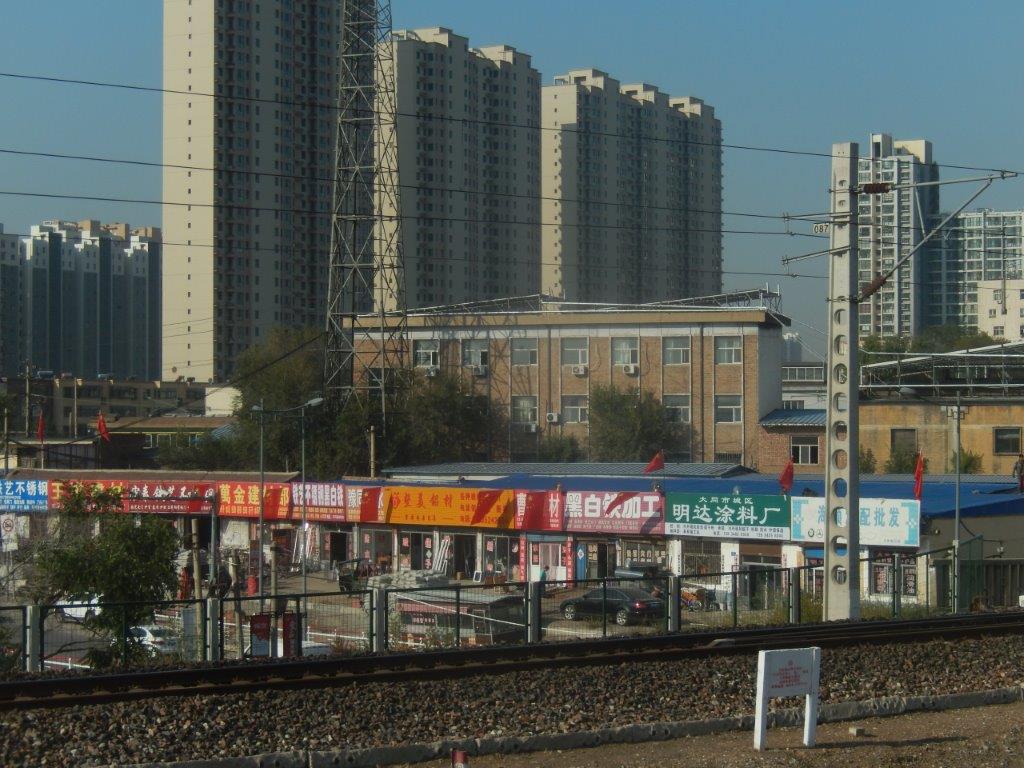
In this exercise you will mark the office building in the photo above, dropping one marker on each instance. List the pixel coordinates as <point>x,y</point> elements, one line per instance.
<point>468,160</point>
<point>89,300</point>
<point>976,253</point>
<point>248,242</point>
<point>714,367</point>
<point>631,192</point>
<point>890,226</point>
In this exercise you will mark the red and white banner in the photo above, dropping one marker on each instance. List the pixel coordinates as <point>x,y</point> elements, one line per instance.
<point>325,502</point>
<point>151,496</point>
<point>362,504</point>
<point>538,511</point>
<point>624,513</point>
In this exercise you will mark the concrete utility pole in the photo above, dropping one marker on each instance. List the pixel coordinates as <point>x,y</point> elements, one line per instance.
<point>842,489</point>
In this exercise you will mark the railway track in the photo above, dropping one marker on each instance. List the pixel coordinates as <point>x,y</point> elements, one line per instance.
<point>491,660</point>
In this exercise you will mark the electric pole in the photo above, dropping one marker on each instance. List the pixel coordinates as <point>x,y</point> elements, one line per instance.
<point>842,491</point>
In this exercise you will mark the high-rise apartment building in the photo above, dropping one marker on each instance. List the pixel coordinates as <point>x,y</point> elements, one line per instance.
<point>890,226</point>
<point>469,168</point>
<point>251,88</point>
<point>631,192</point>
<point>12,316</point>
<point>86,298</point>
<point>975,247</point>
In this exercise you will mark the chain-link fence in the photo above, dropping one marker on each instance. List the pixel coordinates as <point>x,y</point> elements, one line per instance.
<point>97,634</point>
<point>456,616</point>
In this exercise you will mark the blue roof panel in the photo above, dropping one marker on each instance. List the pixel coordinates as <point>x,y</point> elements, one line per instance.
<point>802,417</point>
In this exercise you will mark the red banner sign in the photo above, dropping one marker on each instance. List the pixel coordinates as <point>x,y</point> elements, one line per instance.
<point>152,496</point>
<point>362,504</point>
<point>538,511</point>
<point>243,500</point>
<point>325,502</point>
<point>624,513</point>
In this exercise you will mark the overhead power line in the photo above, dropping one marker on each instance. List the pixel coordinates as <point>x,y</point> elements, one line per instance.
<point>312,103</point>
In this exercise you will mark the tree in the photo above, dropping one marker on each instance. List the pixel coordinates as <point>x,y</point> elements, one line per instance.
<point>129,563</point>
<point>903,461</point>
<point>866,461</point>
<point>562,449</point>
<point>631,426</point>
<point>970,462</point>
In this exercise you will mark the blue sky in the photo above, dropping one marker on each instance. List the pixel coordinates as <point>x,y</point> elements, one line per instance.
<point>796,74</point>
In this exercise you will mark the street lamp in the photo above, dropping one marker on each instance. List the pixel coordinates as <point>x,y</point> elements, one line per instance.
<point>259,548</point>
<point>314,402</point>
<point>955,412</point>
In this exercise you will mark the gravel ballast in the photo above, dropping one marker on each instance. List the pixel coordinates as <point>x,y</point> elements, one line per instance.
<point>514,704</point>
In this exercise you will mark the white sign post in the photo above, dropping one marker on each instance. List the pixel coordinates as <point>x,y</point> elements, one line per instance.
<point>791,672</point>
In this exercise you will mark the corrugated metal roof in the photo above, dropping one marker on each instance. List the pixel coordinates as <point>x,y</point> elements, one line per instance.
<point>575,469</point>
<point>148,474</point>
<point>805,417</point>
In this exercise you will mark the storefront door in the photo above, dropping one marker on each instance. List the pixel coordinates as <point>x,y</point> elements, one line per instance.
<point>501,555</point>
<point>416,550</point>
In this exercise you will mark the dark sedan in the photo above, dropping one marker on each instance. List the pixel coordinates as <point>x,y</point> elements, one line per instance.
<point>625,605</point>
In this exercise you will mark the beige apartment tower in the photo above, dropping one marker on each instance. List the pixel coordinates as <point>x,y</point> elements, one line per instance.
<point>468,168</point>
<point>631,192</point>
<point>250,88</point>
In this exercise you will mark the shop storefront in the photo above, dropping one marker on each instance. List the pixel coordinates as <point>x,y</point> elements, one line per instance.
<point>612,529</point>
<point>501,558</point>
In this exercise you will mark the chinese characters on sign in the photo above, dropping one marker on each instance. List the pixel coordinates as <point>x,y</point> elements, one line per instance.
<point>790,672</point>
<point>629,513</point>
<point>243,500</point>
<point>325,502</point>
<point>24,495</point>
<point>538,511</point>
<point>415,505</point>
<point>883,522</point>
<point>738,516</point>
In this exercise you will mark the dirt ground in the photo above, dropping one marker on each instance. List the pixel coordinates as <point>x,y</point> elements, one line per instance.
<point>987,737</point>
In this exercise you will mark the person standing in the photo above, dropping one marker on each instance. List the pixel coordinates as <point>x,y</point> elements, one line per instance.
<point>1018,472</point>
<point>542,582</point>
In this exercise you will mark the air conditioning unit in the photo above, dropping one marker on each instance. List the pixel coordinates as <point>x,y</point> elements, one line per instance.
<point>579,370</point>
<point>631,370</point>
<point>530,428</point>
<point>479,370</point>
<point>432,371</point>
<point>553,418</point>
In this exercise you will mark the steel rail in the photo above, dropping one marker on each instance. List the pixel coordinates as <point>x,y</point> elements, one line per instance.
<point>490,660</point>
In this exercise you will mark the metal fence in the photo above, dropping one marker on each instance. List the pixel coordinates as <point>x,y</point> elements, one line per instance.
<point>97,634</point>
<point>464,614</point>
<point>313,624</point>
<point>591,608</point>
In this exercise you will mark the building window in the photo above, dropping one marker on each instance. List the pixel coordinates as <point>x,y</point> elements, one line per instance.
<point>701,556</point>
<point>804,449</point>
<point>728,349</point>
<point>1006,440</point>
<point>675,350</point>
<point>575,409</point>
<point>677,408</point>
<point>625,351</point>
<point>991,313</point>
<point>903,441</point>
<point>997,331</point>
<point>814,373</point>
<point>793,405</point>
<point>425,353</point>
<point>575,352</point>
<point>524,351</point>
<point>728,458</point>
<point>474,351</point>
<point>728,409</point>
<point>524,409</point>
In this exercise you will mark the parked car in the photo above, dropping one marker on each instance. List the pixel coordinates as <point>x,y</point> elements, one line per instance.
<point>156,639</point>
<point>626,605</point>
<point>81,608</point>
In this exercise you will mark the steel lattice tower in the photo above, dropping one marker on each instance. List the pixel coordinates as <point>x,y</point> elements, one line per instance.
<point>366,265</point>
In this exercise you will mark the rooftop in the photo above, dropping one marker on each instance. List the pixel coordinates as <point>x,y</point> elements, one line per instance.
<point>806,417</point>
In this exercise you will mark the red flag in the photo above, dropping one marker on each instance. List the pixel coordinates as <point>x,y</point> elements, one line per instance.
<point>41,428</point>
<point>658,462</point>
<point>786,478</point>
<point>919,477</point>
<point>101,427</point>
